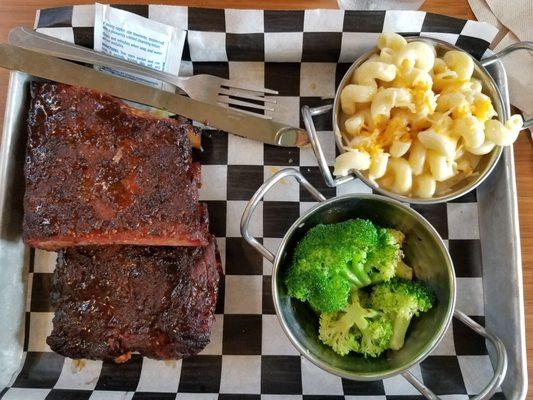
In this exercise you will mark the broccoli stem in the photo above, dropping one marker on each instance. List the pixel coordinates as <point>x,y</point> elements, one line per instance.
<point>356,314</point>
<point>404,271</point>
<point>357,276</point>
<point>399,329</point>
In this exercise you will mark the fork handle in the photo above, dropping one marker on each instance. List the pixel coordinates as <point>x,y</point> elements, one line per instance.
<point>36,41</point>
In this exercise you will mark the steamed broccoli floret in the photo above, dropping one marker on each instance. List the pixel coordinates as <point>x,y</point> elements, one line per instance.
<point>382,260</point>
<point>356,329</point>
<point>376,338</point>
<point>400,300</point>
<point>397,236</point>
<point>332,260</point>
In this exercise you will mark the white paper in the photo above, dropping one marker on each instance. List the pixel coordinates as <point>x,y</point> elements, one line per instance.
<point>380,4</point>
<point>139,40</point>
<point>514,63</point>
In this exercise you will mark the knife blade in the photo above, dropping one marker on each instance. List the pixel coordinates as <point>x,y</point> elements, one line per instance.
<point>225,119</point>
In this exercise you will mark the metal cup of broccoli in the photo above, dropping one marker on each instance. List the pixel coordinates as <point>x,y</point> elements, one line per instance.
<point>363,286</point>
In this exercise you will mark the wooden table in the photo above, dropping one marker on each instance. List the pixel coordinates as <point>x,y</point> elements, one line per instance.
<point>17,12</point>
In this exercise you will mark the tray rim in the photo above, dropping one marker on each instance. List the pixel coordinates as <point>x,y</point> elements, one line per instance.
<point>507,161</point>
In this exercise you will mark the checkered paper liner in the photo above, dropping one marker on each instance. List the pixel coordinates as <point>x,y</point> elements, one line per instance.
<point>303,55</point>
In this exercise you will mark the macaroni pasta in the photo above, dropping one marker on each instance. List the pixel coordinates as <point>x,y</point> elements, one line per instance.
<point>413,121</point>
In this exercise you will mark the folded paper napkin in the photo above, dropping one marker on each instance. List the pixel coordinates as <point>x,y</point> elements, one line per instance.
<point>515,22</point>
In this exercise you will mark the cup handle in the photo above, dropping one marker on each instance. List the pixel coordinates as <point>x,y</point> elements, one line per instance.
<point>499,372</point>
<point>505,52</point>
<point>258,196</point>
<point>307,115</point>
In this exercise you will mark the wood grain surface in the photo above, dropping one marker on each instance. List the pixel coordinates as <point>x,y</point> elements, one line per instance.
<point>22,12</point>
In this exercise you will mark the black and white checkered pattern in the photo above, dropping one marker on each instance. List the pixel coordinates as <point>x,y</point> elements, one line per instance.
<point>303,55</point>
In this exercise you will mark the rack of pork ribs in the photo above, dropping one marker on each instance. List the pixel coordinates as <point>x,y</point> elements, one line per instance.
<point>114,190</point>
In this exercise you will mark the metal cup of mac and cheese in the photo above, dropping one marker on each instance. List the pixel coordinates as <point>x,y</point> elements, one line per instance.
<point>418,120</point>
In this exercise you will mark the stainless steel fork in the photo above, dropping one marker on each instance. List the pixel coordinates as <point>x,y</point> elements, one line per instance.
<point>206,88</point>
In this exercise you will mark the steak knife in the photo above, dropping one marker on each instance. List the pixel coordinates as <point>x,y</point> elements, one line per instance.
<point>225,119</point>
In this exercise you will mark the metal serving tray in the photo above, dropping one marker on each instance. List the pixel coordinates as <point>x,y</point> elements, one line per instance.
<point>499,234</point>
